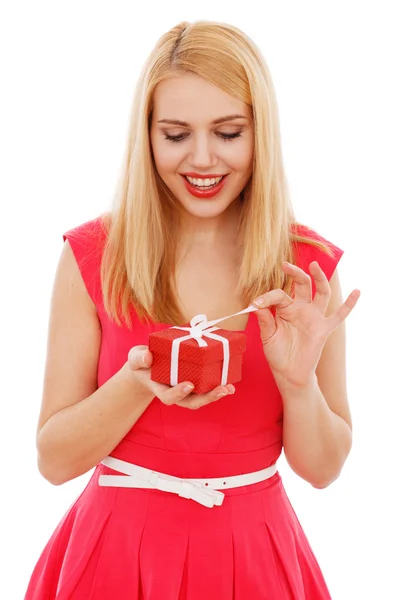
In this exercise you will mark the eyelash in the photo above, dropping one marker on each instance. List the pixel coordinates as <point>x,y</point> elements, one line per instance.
<point>226,137</point>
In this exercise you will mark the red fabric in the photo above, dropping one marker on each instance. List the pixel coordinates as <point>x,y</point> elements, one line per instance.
<point>202,365</point>
<point>306,253</point>
<point>134,544</point>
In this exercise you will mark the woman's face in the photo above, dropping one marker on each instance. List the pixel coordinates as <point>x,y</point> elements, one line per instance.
<point>202,141</point>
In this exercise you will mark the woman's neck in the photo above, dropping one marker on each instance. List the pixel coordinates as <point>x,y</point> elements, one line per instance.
<point>209,233</point>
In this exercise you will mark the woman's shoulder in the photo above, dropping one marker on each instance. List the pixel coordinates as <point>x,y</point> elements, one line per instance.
<point>89,233</point>
<point>309,245</point>
<point>87,242</point>
<point>305,232</point>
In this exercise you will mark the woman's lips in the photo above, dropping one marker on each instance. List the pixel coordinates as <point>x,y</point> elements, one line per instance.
<point>209,193</point>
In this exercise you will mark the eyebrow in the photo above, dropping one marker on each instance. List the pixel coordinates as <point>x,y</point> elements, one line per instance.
<point>215,122</point>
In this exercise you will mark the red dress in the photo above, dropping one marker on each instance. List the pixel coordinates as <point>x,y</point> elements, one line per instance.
<point>137,544</point>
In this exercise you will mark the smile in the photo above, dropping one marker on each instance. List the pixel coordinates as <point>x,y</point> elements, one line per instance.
<point>203,183</point>
<point>207,187</point>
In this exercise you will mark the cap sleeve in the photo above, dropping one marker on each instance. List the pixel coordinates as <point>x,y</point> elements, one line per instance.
<point>87,244</point>
<point>307,253</point>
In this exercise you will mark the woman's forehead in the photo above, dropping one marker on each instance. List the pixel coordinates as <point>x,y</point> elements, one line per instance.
<point>191,99</point>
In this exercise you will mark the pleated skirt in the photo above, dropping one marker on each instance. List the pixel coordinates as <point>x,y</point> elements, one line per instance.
<point>135,544</point>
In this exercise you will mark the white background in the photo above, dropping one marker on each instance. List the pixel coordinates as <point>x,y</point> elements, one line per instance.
<point>67,75</point>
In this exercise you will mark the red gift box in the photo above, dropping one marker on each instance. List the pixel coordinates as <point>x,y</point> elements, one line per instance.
<point>200,364</point>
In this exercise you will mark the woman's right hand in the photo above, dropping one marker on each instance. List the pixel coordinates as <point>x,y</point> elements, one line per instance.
<point>140,359</point>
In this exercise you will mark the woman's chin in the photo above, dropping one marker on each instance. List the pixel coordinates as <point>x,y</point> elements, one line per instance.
<point>210,210</point>
<point>205,208</point>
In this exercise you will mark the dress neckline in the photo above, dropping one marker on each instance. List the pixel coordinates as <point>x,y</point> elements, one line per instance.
<point>250,315</point>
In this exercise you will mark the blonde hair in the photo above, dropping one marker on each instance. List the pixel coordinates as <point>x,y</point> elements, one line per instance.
<point>138,263</point>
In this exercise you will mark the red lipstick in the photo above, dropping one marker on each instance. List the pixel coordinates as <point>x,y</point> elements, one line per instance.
<point>206,193</point>
<point>203,175</point>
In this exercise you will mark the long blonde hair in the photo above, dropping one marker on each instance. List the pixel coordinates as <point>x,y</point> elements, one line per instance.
<point>138,263</point>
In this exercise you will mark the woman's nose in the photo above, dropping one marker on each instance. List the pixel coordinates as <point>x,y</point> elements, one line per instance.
<point>202,154</point>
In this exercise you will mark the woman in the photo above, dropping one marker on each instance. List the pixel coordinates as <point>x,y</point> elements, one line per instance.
<point>202,224</point>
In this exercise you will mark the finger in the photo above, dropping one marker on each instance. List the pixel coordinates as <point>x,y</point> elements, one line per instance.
<point>322,287</point>
<point>301,280</point>
<point>140,357</point>
<point>266,324</point>
<point>196,401</point>
<point>173,395</point>
<point>343,312</point>
<point>165,393</point>
<point>277,298</point>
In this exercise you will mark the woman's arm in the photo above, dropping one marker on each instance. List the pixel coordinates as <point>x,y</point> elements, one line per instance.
<point>79,424</point>
<point>317,427</point>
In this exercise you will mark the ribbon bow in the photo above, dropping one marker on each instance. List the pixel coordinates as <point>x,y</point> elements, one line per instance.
<point>200,328</point>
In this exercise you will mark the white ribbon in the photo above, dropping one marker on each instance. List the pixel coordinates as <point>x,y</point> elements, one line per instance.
<point>199,327</point>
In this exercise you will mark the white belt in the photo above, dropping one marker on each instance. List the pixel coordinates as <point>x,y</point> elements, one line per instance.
<point>203,491</point>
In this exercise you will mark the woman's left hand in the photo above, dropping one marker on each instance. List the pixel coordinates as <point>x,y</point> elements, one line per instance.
<point>294,333</point>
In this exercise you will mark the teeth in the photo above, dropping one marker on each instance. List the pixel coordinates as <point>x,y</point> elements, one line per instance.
<point>204,182</point>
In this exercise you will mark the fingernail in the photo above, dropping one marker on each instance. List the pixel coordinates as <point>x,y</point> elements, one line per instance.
<point>144,358</point>
<point>221,394</point>
<point>259,301</point>
<point>188,388</point>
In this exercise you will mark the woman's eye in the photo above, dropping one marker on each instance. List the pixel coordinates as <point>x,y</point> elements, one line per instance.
<point>175,138</point>
<point>182,136</point>
<point>230,136</point>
